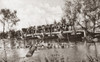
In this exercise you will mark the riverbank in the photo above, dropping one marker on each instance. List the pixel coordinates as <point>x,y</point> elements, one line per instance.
<point>76,53</point>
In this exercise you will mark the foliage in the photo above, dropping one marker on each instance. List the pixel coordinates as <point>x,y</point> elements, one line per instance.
<point>89,10</point>
<point>3,35</point>
<point>8,17</point>
<point>86,14</point>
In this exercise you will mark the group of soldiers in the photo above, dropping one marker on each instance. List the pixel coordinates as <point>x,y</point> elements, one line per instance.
<point>51,45</point>
<point>47,28</point>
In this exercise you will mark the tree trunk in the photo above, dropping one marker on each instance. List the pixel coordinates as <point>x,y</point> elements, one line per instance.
<point>74,31</point>
<point>96,50</point>
<point>94,27</point>
<point>5,60</point>
<point>3,27</point>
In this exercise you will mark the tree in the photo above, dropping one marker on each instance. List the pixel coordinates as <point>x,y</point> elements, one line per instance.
<point>8,18</point>
<point>63,21</point>
<point>89,10</point>
<point>71,14</point>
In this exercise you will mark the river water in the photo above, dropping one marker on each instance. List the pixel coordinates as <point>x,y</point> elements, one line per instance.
<point>75,53</point>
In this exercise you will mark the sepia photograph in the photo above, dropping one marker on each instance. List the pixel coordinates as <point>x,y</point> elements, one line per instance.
<point>49,30</point>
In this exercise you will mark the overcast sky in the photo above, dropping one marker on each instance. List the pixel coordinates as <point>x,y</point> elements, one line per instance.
<point>34,12</point>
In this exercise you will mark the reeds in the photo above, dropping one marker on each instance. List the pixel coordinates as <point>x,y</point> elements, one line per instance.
<point>69,55</point>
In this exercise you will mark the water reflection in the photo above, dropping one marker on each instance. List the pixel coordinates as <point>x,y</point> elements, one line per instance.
<point>77,52</point>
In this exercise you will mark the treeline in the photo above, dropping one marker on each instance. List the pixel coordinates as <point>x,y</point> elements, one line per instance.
<point>10,34</point>
<point>55,27</point>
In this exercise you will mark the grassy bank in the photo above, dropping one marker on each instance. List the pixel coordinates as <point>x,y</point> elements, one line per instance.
<point>75,53</point>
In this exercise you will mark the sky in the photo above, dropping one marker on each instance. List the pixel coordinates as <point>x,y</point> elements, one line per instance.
<point>34,12</point>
